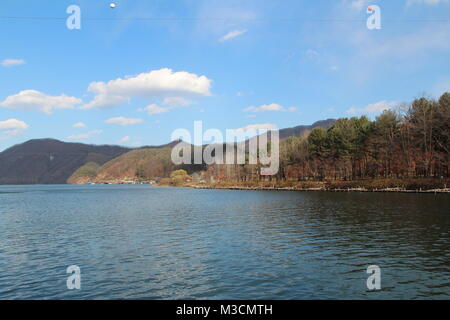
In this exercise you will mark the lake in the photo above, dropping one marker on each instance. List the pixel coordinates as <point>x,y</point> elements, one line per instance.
<point>143,242</point>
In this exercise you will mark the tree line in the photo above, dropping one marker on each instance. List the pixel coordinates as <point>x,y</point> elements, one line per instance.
<point>411,142</point>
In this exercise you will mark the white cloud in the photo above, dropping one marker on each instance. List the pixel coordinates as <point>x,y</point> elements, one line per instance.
<point>163,83</point>
<point>122,121</point>
<point>83,136</point>
<point>178,102</point>
<point>124,139</point>
<point>264,107</point>
<point>33,100</point>
<point>13,126</point>
<point>106,101</point>
<point>79,125</point>
<point>269,107</point>
<point>232,34</point>
<point>12,62</point>
<point>155,109</point>
<point>377,107</point>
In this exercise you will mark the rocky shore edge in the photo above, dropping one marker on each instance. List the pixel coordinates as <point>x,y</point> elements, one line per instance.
<point>274,188</point>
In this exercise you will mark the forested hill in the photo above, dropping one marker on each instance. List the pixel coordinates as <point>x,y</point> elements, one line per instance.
<point>49,161</point>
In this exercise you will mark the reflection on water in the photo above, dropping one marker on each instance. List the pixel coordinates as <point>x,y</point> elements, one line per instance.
<point>168,243</point>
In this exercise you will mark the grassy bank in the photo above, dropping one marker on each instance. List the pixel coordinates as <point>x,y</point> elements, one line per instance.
<point>373,185</point>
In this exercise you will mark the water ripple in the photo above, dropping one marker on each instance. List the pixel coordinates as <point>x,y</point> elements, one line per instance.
<point>138,242</point>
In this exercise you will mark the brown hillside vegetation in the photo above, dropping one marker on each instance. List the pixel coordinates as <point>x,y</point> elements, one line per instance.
<point>85,174</point>
<point>142,163</point>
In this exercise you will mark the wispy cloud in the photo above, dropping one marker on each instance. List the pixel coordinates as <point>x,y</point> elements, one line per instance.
<point>409,45</point>
<point>311,54</point>
<point>360,4</point>
<point>232,34</point>
<point>12,62</point>
<point>122,121</point>
<point>373,108</point>
<point>228,16</point>
<point>79,125</point>
<point>84,136</point>
<point>372,58</point>
<point>124,139</point>
<point>269,107</point>
<point>178,102</point>
<point>154,109</point>
<point>429,2</point>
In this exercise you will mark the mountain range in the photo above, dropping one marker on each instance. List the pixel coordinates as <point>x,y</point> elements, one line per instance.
<point>50,161</point>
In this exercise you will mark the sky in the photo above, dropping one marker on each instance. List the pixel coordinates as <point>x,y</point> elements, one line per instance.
<point>135,73</point>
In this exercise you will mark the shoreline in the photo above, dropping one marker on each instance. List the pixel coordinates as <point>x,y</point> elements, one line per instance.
<point>383,190</point>
<point>383,185</point>
<point>429,186</point>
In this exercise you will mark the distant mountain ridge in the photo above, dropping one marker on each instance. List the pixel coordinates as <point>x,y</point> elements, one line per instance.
<point>300,130</point>
<point>50,161</point>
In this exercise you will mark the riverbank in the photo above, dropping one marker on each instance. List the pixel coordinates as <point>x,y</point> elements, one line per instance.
<point>373,185</point>
<point>321,189</point>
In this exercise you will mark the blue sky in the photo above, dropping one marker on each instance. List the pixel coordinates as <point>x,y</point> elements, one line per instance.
<point>130,81</point>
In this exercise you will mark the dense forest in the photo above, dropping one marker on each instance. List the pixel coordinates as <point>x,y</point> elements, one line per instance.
<point>410,142</point>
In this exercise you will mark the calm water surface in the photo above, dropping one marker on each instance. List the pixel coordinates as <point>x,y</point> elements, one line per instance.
<point>141,242</point>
